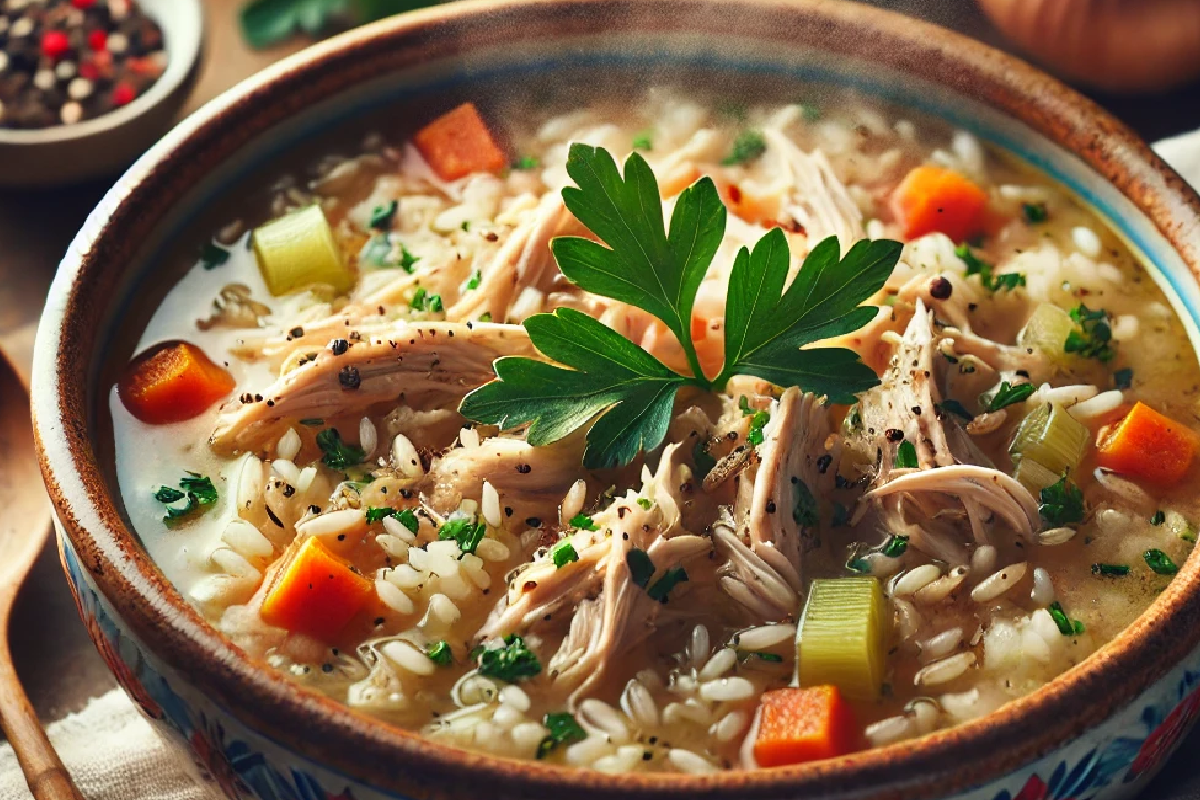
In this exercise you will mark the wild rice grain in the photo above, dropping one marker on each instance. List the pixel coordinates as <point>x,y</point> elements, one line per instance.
<point>405,457</point>
<point>597,715</point>
<point>638,704</point>
<point>1042,593</point>
<point>587,752</point>
<point>398,529</point>
<point>407,657</point>
<point>289,445</point>
<point>443,610</point>
<point>941,645</point>
<point>490,505</point>
<point>247,540</point>
<point>305,479</point>
<point>765,637</point>
<point>916,578</point>
<point>723,661</point>
<point>506,717</point>
<point>392,597</point>
<point>1055,536</point>
<point>944,671</point>
<point>286,470</point>
<point>233,563</point>
<point>727,690</point>
<point>983,560</point>
<point>492,550</point>
<point>395,547</point>
<point>332,523</point>
<point>368,439</point>
<point>689,762</point>
<point>572,503</point>
<point>1100,405</point>
<point>943,587</point>
<point>699,646</point>
<point>250,481</point>
<point>729,726</point>
<point>515,696</point>
<point>887,731</point>
<point>528,735</point>
<point>999,582</point>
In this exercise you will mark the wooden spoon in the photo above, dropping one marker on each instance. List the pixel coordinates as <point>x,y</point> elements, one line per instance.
<point>23,528</point>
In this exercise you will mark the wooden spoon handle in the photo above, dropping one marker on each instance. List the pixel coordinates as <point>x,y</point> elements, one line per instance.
<point>48,779</point>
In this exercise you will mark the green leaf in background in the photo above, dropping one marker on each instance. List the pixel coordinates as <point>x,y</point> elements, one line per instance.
<point>268,22</point>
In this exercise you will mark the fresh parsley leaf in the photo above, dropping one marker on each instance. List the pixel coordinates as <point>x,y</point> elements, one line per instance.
<point>1111,570</point>
<point>200,487</point>
<point>196,488</point>
<point>466,532</point>
<point>645,503</point>
<point>423,300</point>
<point>1066,625</point>
<point>956,408</point>
<point>754,434</point>
<point>1159,562</point>
<point>510,663</point>
<point>1123,378</point>
<point>583,522</point>
<point>906,456</point>
<point>1158,518</point>
<point>641,568</point>
<point>474,281</point>
<point>563,553</point>
<point>663,586</point>
<point>526,162</point>
<point>1061,503</point>
<point>748,146</point>
<point>406,516</point>
<point>213,255</point>
<point>268,22</point>
<point>1008,281</point>
<point>765,326</point>
<point>563,729</point>
<point>643,141</point>
<point>338,454</point>
<point>1008,395</point>
<point>1035,212</point>
<point>167,494</point>
<point>465,226</point>
<point>986,272</point>
<point>382,216</point>
<point>1093,339</point>
<point>804,505</point>
<point>895,546</point>
<point>440,653</point>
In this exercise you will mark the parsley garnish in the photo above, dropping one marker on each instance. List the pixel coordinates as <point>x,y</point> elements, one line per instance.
<point>584,522</point>
<point>804,506</point>
<point>424,301</point>
<point>465,531</point>
<point>382,216</point>
<point>859,566</point>
<point>563,553</point>
<point>746,655</point>
<point>1061,503</point>
<point>1112,570</point>
<point>987,278</point>
<point>645,502</point>
<point>895,546</point>
<point>509,663</point>
<point>1066,625</point>
<point>406,516</point>
<point>1035,212</point>
<point>338,454</point>
<point>640,566</point>
<point>1159,562</point>
<point>754,434</point>
<point>643,141</point>
<point>906,456</point>
<point>440,653</point>
<point>563,730</point>
<point>956,408</point>
<point>1008,395</point>
<point>1094,337</point>
<point>748,146</point>
<point>663,586</point>
<point>1123,378</point>
<point>198,490</point>
<point>466,226</point>
<point>809,112</point>
<point>474,281</point>
<point>624,392</point>
<point>1159,517</point>
<point>526,162</point>
<point>213,255</point>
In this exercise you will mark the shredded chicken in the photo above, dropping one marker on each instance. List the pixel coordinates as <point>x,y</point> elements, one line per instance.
<point>818,199</point>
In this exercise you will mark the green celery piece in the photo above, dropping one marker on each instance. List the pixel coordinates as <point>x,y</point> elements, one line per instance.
<point>630,390</point>
<point>843,635</point>
<point>643,264</point>
<point>765,326</point>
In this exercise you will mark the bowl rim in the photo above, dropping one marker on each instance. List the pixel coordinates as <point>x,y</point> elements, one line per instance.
<point>183,26</point>
<point>274,706</point>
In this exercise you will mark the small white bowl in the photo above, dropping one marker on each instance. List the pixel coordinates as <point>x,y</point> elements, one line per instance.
<point>106,144</point>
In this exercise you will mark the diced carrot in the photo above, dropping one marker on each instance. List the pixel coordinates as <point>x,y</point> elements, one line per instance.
<point>171,382</point>
<point>459,143</point>
<point>933,199</point>
<point>1147,445</point>
<point>798,725</point>
<point>316,593</point>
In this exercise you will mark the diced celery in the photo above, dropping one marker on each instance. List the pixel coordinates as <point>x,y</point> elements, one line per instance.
<point>1047,330</point>
<point>843,636</point>
<point>1051,437</point>
<point>299,250</point>
<point>1033,476</point>
<point>1179,526</point>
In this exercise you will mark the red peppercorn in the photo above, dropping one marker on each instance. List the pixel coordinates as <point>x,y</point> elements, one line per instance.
<point>97,40</point>
<point>83,5</point>
<point>123,94</point>
<point>89,70</point>
<point>55,44</point>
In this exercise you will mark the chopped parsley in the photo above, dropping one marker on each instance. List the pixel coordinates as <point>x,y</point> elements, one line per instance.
<point>1035,213</point>
<point>986,272</point>
<point>758,421</point>
<point>466,226</point>
<point>1066,625</point>
<point>383,216</point>
<point>663,586</point>
<point>746,655</point>
<point>804,505</point>
<point>406,516</point>
<point>583,522</point>
<point>378,253</point>
<point>213,255</point>
<point>1159,562</point>
<point>859,566</point>
<point>640,566</point>
<point>1008,395</point>
<point>645,502</point>
<point>337,453</point>
<point>485,316</point>
<point>748,146</point>
<point>563,729</point>
<point>474,281</point>
<point>1111,570</point>
<point>643,141</point>
<point>440,653</point>
<point>465,531</point>
<point>526,162</point>
<point>895,546</point>
<point>906,456</point>
<point>510,663</point>
<point>425,301</point>
<point>197,489</point>
<point>1061,503</point>
<point>1158,518</point>
<point>563,553</point>
<point>1123,378</point>
<point>809,112</point>
<point>956,408</point>
<point>1093,339</point>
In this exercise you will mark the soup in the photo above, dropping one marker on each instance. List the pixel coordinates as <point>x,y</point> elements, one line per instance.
<point>489,437</point>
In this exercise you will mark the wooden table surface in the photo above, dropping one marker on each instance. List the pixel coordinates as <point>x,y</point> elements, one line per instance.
<point>58,664</point>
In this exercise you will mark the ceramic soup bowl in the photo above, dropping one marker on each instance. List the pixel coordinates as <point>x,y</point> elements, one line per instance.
<point>1098,731</point>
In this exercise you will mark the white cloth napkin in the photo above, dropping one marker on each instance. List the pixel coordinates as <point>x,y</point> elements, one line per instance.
<point>114,755</point>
